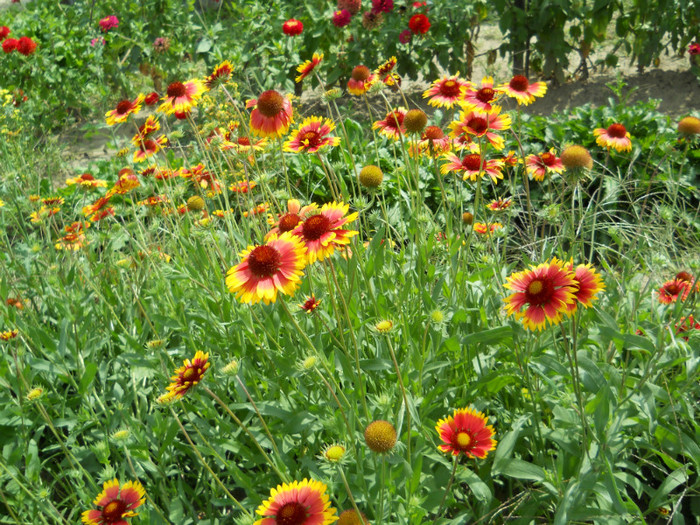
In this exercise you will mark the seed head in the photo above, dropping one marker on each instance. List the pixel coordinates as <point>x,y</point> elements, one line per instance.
<point>415,120</point>
<point>689,126</point>
<point>371,176</point>
<point>380,436</point>
<point>576,157</point>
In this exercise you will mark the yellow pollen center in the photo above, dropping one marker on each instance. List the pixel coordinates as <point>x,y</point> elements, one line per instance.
<point>535,287</point>
<point>463,439</point>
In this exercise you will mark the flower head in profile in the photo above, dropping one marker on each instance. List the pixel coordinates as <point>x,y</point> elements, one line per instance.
<point>188,375</point>
<point>671,291</point>
<point>687,325</point>
<point>361,79</point>
<point>74,237</point>
<point>123,110</point>
<point>539,165</point>
<point>307,67</point>
<point>466,432</point>
<point>311,136</point>
<point>149,147</point>
<point>272,114</point>
<point>446,92</point>
<point>288,221</point>
<point>547,290</point>
<point>472,167</point>
<point>614,137</point>
<point>115,503</point>
<point>181,97</point>
<point>589,283</point>
<point>324,232</point>
<point>298,503</point>
<point>487,228</point>
<point>267,269</point>
<point>219,76</point>
<point>393,124</point>
<point>87,181</point>
<point>522,90</point>
<point>8,334</point>
<point>498,205</point>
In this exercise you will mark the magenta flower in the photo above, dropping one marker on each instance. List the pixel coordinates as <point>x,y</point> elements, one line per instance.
<point>108,22</point>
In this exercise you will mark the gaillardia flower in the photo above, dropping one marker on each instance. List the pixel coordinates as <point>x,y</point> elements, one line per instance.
<point>615,137</point>
<point>478,123</point>
<point>272,114</point>
<point>446,91</point>
<point>298,503</point>
<point>123,110</point>
<point>86,180</point>
<point>188,375</point>
<point>220,75</point>
<point>307,67</point>
<point>521,90</point>
<point>323,233</point>
<point>547,290</point>
<point>539,165</point>
<point>472,167</point>
<point>380,436</point>
<point>483,97</point>
<point>290,220</point>
<point>361,79</point>
<point>466,432</point>
<point>589,285</point>
<point>115,503</point>
<point>671,291</point>
<point>181,97</point>
<point>267,269</point>
<point>312,135</point>
<point>392,126</point>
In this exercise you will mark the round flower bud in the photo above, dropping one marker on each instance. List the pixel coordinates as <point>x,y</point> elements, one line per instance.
<point>415,120</point>
<point>467,218</point>
<point>380,436</point>
<point>689,126</point>
<point>350,517</point>
<point>371,176</point>
<point>334,453</point>
<point>195,203</point>
<point>384,326</point>
<point>576,157</point>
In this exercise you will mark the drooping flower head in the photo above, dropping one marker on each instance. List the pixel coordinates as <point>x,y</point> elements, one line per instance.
<point>311,136</point>
<point>267,269</point>
<point>115,503</point>
<point>539,165</point>
<point>498,205</point>
<point>323,233</point>
<point>87,181</point>
<point>272,114</point>
<point>483,97</point>
<point>181,97</point>
<point>547,290</point>
<point>473,166</point>
<point>433,143</point>
<point>307,67</point>
<point>478,123</point>
<point>393,124</point>
<point>521,90</point>
<point>187,376</point>
<point>219,76</point>
<point>361,79</point>
<point>298,503</point>
<point>123,110</point>
<point>446,92</point>
<point>614,137</point>
<point>466,432</point>
<point>671,291</point>
<point>287,222</point>
<point>292,27</point>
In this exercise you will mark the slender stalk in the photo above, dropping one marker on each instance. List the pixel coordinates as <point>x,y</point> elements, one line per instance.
<point>447,490</point>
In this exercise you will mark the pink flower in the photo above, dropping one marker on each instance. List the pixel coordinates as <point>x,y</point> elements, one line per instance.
<point>341,18</point>
<point>405,36</point>
<point>382,6</point>
<point>99,40</point>
<point>108,22</point>
<point>694,49</point>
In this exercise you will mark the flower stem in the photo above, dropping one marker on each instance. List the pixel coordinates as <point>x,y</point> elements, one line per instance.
<point>447,490</point>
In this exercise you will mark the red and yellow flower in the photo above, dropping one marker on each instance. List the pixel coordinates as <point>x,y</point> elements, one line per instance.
<point>187,376</point>
<point>265,270</point>
<point>307,67</point>
<point>244,145</point>
<point>86,180</point>
<point>148,128</point>
<point>298,503</point>
<point>589,283</point>
<point>473,166</point>
<point>115,503</point>
<point>521,90</point>
<point>539,165</point>
<point>8,335</point>
<point>483,97</point>
<point>446,92</point>
<point>671,291</point>
<point>466,432</point>
<point>149,147</point>
<point>272,114</point>
<point>310,304</point>
<point>614,137</point>
<point>242,186</point>
<point>311,136</point>
<point>219,76</point>
<point>547,290</point>
<point>497,205</point>
<point>433,142</point>
<point>478,123</point>
<point>287,222</point>
<point>74,239</point>
<point>323,233</point>
<point>487,228</point>
<point>392,126</point>
<point>361,79</point>
<point>181,97</point>
<point>123,110</point>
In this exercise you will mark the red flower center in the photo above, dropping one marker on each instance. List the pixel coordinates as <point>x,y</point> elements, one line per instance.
<point>149,145</point>
<point>450,89</point>
<point>243,141</point>
<point>360,73</point>
<point>472,162</point>
<point>288,222</point>
<point>519,83</point>
<point>673,289</point>
<point>548,158</point>
<point>191,374</point>
<point>177,89</point>
<point>539,292</point>
<point>271,103</point>
<point>86,176</point>
<point>684,276</point>
<point>113,511</point>
<point>394,119</point>
<point>617,131</point>
<point>485,94</point>
<point>478,125</point>
<point>315,227</point>
<point>264,261</point>
<point>123,107</point>
<point>433,133</point>
<point>292,513</point>
<point>311,139</point>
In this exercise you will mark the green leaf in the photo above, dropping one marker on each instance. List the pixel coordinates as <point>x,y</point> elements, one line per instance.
<point>88,376</point>
<point>677,477</point>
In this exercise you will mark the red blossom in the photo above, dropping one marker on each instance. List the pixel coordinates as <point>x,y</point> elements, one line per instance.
<point>26,46</point>
<point>419,24</point>
<point>292,27</point>
<point>9,45</point>
<point>341,18</point>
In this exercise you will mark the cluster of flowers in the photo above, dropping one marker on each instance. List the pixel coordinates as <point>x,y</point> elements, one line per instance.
<point>23,45</point>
